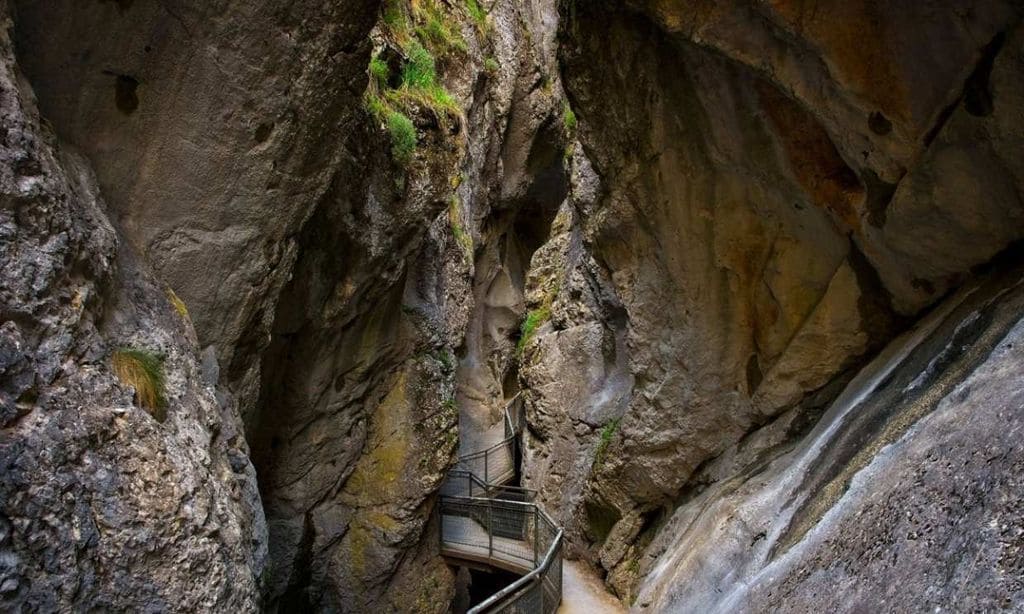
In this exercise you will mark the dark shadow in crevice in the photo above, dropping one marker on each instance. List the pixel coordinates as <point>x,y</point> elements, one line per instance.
<point>879,195</point>
<point>977,95</point>
<point>978,98</point>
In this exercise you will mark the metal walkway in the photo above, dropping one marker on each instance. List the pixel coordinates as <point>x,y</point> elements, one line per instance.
<point>486,522</point>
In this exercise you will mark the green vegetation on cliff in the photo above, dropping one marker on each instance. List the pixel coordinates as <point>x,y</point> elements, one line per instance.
<point>417,34</point>
<point>475,11</point>
<point>606,435</point>
<point>534,319</point>
<point>568,118</point>
<point>144,371</point>
<point>462,237</point>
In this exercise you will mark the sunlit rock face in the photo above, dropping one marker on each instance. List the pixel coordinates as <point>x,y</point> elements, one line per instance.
<point>766,194</point>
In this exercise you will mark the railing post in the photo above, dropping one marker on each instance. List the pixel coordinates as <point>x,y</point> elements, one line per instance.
<point>490,531</point>
<point>536,535</point>
<point>487,476</point>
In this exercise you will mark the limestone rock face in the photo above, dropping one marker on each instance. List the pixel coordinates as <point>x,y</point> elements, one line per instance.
<point>215,129</point>
<point>397,289</point>
<point>102,505</point>
<point>905,496</point>
<point>764,194</point>
<point>331,286</point>
<point>907,93</point>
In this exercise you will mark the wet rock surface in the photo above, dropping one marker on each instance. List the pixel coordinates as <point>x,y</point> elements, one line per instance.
<point>904,497</point>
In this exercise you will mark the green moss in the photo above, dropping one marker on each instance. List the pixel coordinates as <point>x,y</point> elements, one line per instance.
<point>358,540</point>
<point>570,149</point>
<point>381,520</point>
<point>403,137</point>
<point>568,118</point>
<point>606,435</point>
<point>534,319</point>
<point>380,70</point>
<point>144,371</point>
<point>394,17</point>
<point>476,12</point>
<point>462,237</point>
<point>447,360</point>
<point>179,305</point>
<point>491,65</point>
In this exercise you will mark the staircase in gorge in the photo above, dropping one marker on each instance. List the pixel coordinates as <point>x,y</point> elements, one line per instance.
<point>487,522</point>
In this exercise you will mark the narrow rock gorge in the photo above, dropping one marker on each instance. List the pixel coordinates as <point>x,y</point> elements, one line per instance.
<point>739,284</point>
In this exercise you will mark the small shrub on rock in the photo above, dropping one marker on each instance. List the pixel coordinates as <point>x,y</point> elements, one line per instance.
<point>144,371</point>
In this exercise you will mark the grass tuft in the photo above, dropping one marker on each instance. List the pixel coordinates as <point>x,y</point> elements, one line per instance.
<point>462,237</point>
<point>491,65</point>
<point>418,88</point>
<point>568,118</point>
<point>419,70</point>
<point>447,361</point>
<point>376,107</point>
<point>395,19</point>
<point>144,371</point>
<point>380,70</point>
<point>403,136</point>
<point>440,33</point>
<point>534,319</point>
<point>606,435</point>
<point>477,12</point>
<point>400,128</point>
<point>179,305</point>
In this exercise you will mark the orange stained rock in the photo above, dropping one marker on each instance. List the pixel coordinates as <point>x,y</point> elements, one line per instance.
<point>813,158</point>
<point>852,39</point>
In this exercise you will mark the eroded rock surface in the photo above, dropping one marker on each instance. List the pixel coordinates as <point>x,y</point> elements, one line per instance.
<point>906,496</point>
<point>102,506</point>
<point>765,195</point>
<point>215,129</point>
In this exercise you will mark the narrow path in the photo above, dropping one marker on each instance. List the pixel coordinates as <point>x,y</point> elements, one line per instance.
<point>584,593</point>
<point>484,519</point>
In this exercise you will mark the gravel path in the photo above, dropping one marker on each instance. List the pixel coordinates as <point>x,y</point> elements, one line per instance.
<point>584,593</point>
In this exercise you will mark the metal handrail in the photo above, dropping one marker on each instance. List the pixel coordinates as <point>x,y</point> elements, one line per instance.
<point>510,434</point>
<point>530,578</point>
<point>538,577</point>
<point>506,445</point>
<point>541,564</point>
<point>527,493</point>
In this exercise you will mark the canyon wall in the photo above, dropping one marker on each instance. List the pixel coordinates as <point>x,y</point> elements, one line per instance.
<point>766,195</point>
<point>331,284</point>
<point>105,504</point>
<point>751,266</point>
